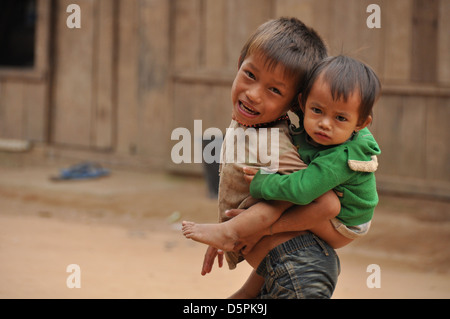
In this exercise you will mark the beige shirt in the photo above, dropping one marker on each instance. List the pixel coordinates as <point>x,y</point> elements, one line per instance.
<point>269,147</point>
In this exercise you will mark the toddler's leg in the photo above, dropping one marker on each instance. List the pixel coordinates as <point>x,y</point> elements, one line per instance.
<point>221,236</point>
<point>326,208</point>
<point>330,235</point>
<point>314,217</point>
<point>226,235</point>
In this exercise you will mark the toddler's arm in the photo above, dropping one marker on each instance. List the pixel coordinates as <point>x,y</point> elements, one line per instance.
<point>314,217</point>
<point>303,186</point>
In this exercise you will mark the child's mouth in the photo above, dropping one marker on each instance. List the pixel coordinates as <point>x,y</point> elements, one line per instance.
<point>322,136</point>
<point>247,109</point>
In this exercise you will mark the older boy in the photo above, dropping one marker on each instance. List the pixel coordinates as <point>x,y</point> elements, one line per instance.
<point>272,67</point>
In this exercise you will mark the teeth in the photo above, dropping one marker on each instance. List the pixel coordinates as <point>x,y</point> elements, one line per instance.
<point>249,110</point>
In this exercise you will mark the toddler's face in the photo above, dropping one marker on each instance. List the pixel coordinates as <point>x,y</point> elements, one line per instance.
<point>259,94</point>
<point>330,122</point>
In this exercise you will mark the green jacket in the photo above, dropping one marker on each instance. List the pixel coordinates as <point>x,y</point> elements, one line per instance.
<point>347,168</point>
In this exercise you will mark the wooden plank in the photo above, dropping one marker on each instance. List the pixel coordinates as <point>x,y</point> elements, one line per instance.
<point>400,128</point>
<point>322,13</point>
<point>127,83</point>
<point>243,17</point>
<point>371,41</point>
<point>73,77</point>
<point>36,100</point>
<point>153,74</point>
<point>211,101</point>
<point>409,186</point>
<point>424,41</point>
<point>12,110</point>
<point>35,104</point>
<point>215,32</point>
<point>438,135</point>
<point>384,127</point>
<point>303,10</point>
<point>344,36</point>
<point>411,138</point>
<point>443,50</point>
<point>185,98</point>
<point>42,43</point>
<point>398,39</point>
<point>187,34</point>
<point>103,106</point>
<point>207,102</point>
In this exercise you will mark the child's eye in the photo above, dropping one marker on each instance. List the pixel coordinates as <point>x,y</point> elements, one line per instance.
<point>316,110</point>
<point>276,91</point>
<point>341,118</point>
<point>250,75</point>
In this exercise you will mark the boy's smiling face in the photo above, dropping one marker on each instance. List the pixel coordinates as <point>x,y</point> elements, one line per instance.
<point>330,122</point>
<point>261,94</point>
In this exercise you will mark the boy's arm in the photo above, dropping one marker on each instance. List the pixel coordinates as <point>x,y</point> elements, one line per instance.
<point>208,260</point>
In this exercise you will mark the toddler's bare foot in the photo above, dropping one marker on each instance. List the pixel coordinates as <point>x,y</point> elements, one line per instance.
<point>216,235</point>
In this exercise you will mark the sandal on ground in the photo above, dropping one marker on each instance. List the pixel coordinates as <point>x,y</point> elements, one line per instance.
<point>85,170</point>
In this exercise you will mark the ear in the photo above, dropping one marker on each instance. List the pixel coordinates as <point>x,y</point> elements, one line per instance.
<point>364,124</point>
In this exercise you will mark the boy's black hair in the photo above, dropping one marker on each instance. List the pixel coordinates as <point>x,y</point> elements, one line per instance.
<point>345,76</point>
<point>289,42</point>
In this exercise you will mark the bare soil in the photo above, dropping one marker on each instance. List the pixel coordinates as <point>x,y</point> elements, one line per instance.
<point>123,232</point>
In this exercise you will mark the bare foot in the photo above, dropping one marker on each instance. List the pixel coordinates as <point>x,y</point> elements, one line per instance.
<point>216,235</point>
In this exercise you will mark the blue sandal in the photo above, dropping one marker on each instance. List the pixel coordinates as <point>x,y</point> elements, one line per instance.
<point>85,170</point>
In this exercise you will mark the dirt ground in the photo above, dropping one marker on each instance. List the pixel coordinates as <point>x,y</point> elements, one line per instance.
<point>123,233</point>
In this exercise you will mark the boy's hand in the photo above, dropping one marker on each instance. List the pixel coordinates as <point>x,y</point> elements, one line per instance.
<point>208,260</point>
<point>249,173</point>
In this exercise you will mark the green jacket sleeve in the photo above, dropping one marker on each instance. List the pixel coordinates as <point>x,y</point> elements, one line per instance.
<point>302,187</point>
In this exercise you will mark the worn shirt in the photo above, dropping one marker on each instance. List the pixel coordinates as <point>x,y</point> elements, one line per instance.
<point>255,150</point>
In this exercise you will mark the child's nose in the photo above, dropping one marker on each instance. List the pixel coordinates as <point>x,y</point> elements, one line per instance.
<point>254,94</point>
<point>324,123</point>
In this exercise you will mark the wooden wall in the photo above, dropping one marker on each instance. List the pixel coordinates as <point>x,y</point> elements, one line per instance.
<point>409,53</point>
<point>82,106</point>
<point>143,107</point>
<point>207,38</point>
<point>137,69</point>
